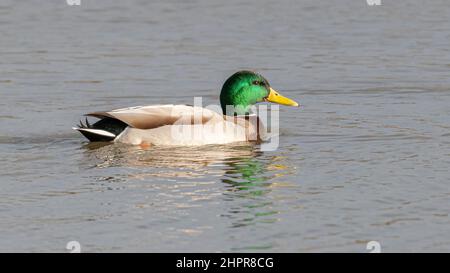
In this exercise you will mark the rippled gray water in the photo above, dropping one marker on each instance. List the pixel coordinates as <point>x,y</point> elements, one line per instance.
<point>366,158</point>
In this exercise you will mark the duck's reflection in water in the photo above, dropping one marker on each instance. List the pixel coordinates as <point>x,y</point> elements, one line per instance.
<point>173,161</point>
<point>250,182</point>
<point>248,174</point>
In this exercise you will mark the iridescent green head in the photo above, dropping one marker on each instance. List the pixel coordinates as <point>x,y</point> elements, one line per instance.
<point>246,88</point>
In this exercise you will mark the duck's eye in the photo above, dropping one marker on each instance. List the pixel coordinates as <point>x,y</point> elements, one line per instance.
<point>261,83</point>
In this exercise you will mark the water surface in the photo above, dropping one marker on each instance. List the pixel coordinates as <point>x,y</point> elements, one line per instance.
<point>366,158</point>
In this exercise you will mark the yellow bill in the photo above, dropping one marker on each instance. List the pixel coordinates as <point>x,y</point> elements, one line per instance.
<point>275,97</point>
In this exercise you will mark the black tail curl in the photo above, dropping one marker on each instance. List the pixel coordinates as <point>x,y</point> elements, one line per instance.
<point>87,126</point>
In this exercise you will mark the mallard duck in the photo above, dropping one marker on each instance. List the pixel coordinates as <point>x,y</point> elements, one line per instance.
<point>190,125</point>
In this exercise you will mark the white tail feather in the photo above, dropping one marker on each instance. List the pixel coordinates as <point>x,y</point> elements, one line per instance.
<point>96,131</point>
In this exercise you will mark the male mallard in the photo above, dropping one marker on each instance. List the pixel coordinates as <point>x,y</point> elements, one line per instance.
<point>190,125</point>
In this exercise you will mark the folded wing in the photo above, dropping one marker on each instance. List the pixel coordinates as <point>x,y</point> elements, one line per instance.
<point>149,117</point>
